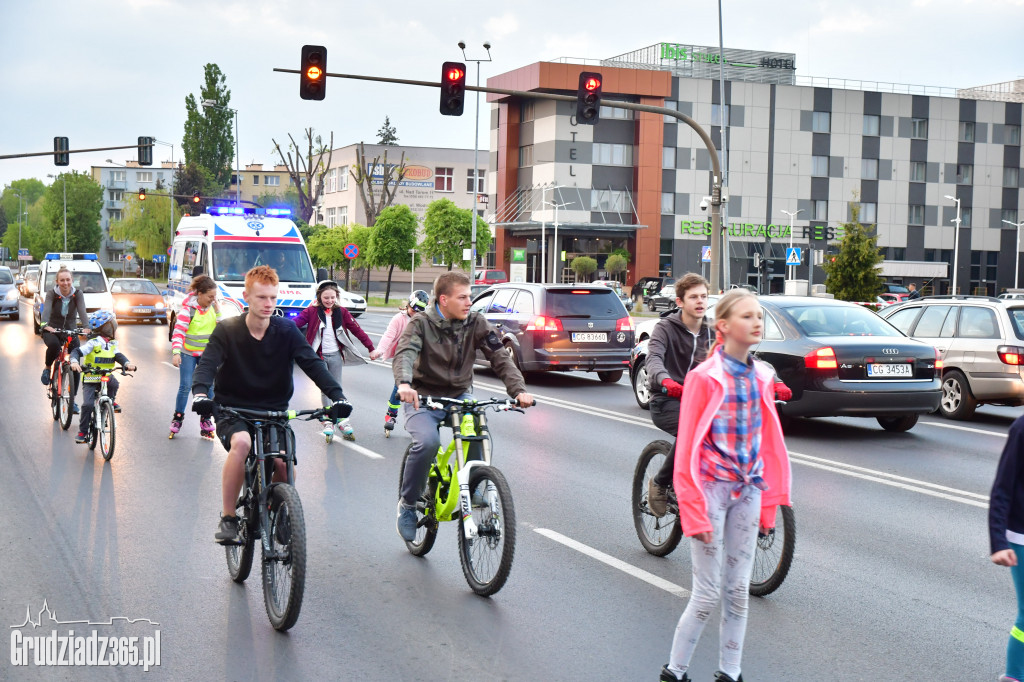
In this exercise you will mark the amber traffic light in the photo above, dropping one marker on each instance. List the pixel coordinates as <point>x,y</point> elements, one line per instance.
<point>313,78</point>
<point>142,195</point>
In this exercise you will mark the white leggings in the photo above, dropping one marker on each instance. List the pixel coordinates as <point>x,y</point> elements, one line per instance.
<point>734,524</point>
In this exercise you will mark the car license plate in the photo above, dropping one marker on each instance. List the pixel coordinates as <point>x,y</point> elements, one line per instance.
<point>140,310</point>
<point>882,370</point>
<point>589,337</point>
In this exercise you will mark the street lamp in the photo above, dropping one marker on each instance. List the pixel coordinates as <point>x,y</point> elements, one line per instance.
<point>956,240</point>
<point>1016,271</point>
<point>65,182</point>
<point>792,214</point>
<point>19,220</point>
<point>558,252</point>
<point>212,104</point>
<point>476,142</point>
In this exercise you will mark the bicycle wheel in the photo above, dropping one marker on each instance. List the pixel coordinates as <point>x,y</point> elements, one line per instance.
<point>65,397</point>
<point>106,429</point>
<point>239,557</point>
<point>659,536</point>
<point>487,559</point>
<point>426,528</point>
<point>54,395</point>
<point>774,554</point>
<point>284,566</point>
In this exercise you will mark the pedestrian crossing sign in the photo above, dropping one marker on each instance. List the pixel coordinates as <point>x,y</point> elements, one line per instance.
<point>705,254</point>
<point>793,256</point>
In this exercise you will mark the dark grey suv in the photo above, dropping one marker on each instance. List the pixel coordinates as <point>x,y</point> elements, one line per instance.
<point>560,327</point>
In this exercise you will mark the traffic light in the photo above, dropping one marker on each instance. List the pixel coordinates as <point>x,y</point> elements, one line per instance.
<point>60,151</point>
<point>588,98</point>
<point>453,88</point>
<point>146,151</point>
<point>196,198</point>
<point>312,80</point>
<point>142,194</point>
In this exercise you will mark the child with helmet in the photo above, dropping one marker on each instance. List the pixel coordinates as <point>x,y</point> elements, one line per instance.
<point>389,342</point>
<point>99,351</point>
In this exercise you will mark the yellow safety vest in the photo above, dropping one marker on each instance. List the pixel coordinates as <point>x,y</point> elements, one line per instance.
<point>99,357</point>
<point>199,329</point>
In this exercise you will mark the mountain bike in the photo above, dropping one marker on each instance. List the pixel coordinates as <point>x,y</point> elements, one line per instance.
<point>659,536</point>
<point>102,428</point>
<point>272,513</point>
<point>463,486</point>
<point>60,391</point>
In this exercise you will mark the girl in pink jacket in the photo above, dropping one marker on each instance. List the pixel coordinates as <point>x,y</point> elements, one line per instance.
<point>389,342</point>
<point>731,472</point>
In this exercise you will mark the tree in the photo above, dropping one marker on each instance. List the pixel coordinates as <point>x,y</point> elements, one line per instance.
<point>364,175</point>
<point>615,264</point>
<point>84,203</point>
<point>583,266</point>
<point>390,242</point>
<point>307,173</point>
<point>448,230</point>
<point>289,199</point>
<point>30,190</point>
<point>208,140</point>
<point>852,274</point>
<point>327,246</point>
<point>149,224</point>
<point>387,135</point>
<point>192,178</point>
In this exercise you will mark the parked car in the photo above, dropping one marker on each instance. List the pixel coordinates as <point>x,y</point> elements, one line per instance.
<point>645,287</point>
<point>981,342</point>
<point>890,288</point>
<point>616,286</point>
<point>477,289</point>
<point>560,327</point>
<point>138,300</point>
<point>665,299</point>
<point>893,298</point>
<point>31,284</point>
<point>354,303</point>
<point>1012,295</point>
<point>839,359</point>
<point>9,295</point>
<point>490,277</point>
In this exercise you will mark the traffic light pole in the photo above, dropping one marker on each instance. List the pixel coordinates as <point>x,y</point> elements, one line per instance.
<point>717,233</point>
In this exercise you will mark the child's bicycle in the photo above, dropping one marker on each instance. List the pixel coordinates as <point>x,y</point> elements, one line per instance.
<point>60,391</point>
<point>659,536</point>
<point>271,513</point>
<point>102,429</point>
<point>467,488</point>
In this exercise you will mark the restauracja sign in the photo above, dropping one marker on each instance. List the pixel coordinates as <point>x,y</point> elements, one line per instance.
<point>702,228</point>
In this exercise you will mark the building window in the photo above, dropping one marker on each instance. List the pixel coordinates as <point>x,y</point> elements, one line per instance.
<point>964,174</point>
<point>480,185</point>
<point>234,179</point>
<point>919,128</point>
<point>115,214</point>
<point>966,133</point>
<point>342,178</point>
<point>821,122</point>
<point>716,115</point>
<point>868,214</point>
<point>869,169</point>
<point>1010,177</point>
<point>668,203</point>
<point>444,179</point>
<point>819,209</point>
<point>819,166</point>
<point>871,124</point>
<point>528,110</point>
<point>615,112</point>
<point>343,215</point>
<point>330,216</point>
<point>613,154</point>
<point>917,171</point>
<point>965,217</point>
<point>609,200</point>
<point>1009,215</point>
<point>332,180</point>
<point>1012,134</point>
<point>272,180</point>
<point>144,176</point>
<point>117,176</point>
<point>675,107</point>
<point>526,155</point>
<point>117,195</point>
<point>255,179</point>
<point>915,214</point>
<point>668,157</point>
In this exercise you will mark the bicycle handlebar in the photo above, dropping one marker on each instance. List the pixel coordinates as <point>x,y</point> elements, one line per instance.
<point>499,404</point>
<point>93,369</point>
<point>245,412</point>
<point>79,331</point>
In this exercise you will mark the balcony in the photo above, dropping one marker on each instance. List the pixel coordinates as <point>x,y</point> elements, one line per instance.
<point>117,184</point>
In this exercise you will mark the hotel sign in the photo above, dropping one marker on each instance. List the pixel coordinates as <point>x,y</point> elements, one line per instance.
<point>702,228</point>
<point>690,53</point>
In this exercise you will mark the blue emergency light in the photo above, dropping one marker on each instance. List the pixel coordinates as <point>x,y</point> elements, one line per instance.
<point>279,211</point>
<point>71,256</point>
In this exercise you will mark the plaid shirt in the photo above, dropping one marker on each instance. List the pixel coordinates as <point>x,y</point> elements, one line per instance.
<point>730,448</point>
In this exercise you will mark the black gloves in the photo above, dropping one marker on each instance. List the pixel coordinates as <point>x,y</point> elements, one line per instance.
<point>340,409</point>
<point>203,406</point>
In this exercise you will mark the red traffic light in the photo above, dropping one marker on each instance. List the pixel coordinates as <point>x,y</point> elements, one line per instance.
<point>454,74</point>
<point>195,197</point>
<point>592,83</point>
<point>142,195</point>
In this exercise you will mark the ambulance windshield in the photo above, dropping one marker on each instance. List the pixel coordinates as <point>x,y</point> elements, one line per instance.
<point>232,260</point>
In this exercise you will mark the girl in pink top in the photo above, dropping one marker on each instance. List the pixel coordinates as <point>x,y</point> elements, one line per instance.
<point>389,342</point>
<point>731,472</point>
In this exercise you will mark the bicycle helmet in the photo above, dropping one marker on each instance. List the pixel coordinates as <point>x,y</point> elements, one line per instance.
<point>418,301</point>
<point>103,322</point>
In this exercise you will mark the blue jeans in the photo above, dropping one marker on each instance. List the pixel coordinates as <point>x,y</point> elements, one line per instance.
<point>1015,645</point>
<point>422,424</point>
<point>185,372</point>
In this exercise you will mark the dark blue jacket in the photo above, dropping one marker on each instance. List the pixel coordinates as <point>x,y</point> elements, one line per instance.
<point>1006,503</point>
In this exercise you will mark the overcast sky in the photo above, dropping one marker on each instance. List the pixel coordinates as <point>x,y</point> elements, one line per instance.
<point>104,72</point>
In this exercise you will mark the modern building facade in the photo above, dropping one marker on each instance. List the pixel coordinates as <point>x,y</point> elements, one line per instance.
<point>813,147</point>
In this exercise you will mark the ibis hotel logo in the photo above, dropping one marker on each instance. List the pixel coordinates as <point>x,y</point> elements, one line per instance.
<point>689,53</point>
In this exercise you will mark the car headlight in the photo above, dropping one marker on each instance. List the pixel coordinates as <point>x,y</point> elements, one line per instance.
<point>12,295</point>
<point>121,305</point>
<point>159,305</point>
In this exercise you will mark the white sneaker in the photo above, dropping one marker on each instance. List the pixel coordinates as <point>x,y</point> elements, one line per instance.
<point>328,430</point>
<point>346,431</point>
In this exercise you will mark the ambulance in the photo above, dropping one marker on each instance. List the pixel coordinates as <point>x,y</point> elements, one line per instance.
<point>225,242</point>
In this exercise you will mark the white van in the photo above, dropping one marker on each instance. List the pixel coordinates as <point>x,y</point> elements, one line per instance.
<point>87,275</point>
<point>226,242</point>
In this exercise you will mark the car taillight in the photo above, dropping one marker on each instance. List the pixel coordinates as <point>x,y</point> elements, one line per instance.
<point>1011,355</point>
<point>544,324</point>
<point>823,358</point>
<point>625,324</point>
<point>938,360</point>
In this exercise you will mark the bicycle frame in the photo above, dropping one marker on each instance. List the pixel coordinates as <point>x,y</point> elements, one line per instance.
<point>259,470</point>
<point>464,432</point>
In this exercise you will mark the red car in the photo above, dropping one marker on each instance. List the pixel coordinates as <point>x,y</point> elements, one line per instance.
<point>894,298</point>
<point>491,277</point>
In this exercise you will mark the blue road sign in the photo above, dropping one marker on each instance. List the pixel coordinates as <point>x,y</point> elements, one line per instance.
<point>159,258</point>
<point>23,252</point>
<point>793,256</point>
<point>705,254</point>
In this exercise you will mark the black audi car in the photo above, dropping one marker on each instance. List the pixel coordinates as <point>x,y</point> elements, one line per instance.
<point>840,360</point>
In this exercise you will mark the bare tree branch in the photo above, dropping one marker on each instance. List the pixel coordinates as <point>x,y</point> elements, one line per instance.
<point>302,170</point>
<point>391,175</point>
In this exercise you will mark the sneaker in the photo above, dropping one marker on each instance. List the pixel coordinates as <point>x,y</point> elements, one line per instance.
<point>406,522</point>
<point>227,533</point>
<point>74,408</point>
<point>722,677</point>
<point>657,499</point>
<point>206,425</point>
<point>176,421</point>
<point>117,408</point>
<point>346,431</point>
<point>389,422</point>
<point>669,676</point>
<point>82,437</point>
<point>46,377</point>
<point>328,430</point>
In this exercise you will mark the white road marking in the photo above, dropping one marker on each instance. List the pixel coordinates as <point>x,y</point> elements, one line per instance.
<point>964,428</point>
<point>349,445</point>
<point>628,569</point>
<point>169,364</point>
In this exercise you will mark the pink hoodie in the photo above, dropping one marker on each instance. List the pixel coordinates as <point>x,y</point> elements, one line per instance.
<point>389,342</point>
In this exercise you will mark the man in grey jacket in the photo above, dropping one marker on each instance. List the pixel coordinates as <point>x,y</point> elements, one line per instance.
<point>680,341</point>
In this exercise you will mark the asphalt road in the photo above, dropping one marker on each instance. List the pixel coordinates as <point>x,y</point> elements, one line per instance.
<point>891,578</point>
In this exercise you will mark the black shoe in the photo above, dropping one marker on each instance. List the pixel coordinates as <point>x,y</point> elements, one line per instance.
<point>669,676</point>
<point>46,377</point>
<point>227,534</point>
<point>82,437</point>
<point>722,677</point>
